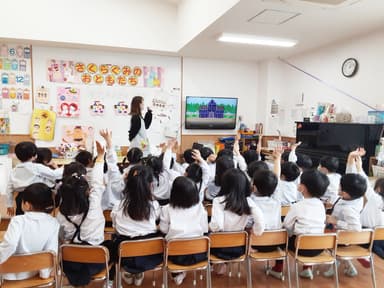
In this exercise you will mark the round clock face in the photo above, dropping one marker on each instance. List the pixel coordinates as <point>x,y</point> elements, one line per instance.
<point>349,67</point>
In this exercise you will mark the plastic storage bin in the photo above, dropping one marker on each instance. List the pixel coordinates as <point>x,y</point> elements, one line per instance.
<point>4,149</point>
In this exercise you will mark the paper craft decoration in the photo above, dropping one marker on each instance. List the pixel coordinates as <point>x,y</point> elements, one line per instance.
<point>4,125</point>
<point>121,108</point>
<point>81,137</point>
<point>62,71</point>
<point>43,125</point>
<point>152,76</point>
<point>68,102</point>
<point>97,108</point>
<point>42,95</point>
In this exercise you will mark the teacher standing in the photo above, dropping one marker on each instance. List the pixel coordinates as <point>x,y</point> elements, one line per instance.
<point>137,133</point>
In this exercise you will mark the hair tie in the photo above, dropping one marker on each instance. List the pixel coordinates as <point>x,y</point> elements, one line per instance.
<point>77,175</point>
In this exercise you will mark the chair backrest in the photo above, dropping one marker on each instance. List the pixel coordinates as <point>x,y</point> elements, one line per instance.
<point>316,241</point>
<point>4,222</point>
<point>144,247</point>
<point>29,262</point>
<point>107,215</point>
<point>208,207</point>
<point>379,233</point>
<point>364,236</point>
<point>284,210</point>
<point>271,237</point>
<point>84,253</point>
<point>228,239</point>
<point>187,246</point>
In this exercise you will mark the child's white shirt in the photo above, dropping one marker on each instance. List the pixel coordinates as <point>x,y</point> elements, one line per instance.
<point>286,193</point>
<point>225,220</point>
<point>305,217</point>
<point>183,223</point>
<point>331,194</point>
<point>162,187</point>
<point>92,229</point>
<point>125,225</point>
<point>347,213</point>
<point>271,210</point>
<point>27,173</point>
<point>31,232</point>
<point>372,214</point>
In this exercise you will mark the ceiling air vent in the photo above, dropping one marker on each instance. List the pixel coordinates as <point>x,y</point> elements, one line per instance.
<point>325,3</point>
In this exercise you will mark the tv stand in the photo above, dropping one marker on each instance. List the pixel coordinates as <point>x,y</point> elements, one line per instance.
<point>337,140</point>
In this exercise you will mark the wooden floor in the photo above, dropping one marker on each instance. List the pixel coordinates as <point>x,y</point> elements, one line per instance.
<point>261,280</point>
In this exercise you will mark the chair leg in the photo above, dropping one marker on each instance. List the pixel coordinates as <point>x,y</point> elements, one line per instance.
<point>288,271</point>
<point>373,271</point>
<point>249,272</point>
<point>238,270</point>
<point>153,279</point>
<point>336,275</point>
<point>194,278</point>
<point>297,274</point>
<point>165,277</point>
<point>209,279</point>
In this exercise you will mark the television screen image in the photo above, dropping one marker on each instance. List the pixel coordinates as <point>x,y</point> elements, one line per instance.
<point>210,113</point>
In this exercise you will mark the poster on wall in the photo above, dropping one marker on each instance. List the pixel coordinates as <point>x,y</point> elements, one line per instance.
<point>4,125</point>
<point>97,108</point>
<point>79,137</point>
<point>61,71</point>
<point>68,102</point>
<point>42,95</point>
<point>43,125</point>
<point>15,77</point>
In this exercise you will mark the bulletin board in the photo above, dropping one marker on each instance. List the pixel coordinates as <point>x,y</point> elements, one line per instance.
<point>93,89</point>
<point>16,101</point>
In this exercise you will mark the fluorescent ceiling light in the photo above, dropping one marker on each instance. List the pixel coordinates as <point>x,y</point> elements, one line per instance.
<point>256,40</point>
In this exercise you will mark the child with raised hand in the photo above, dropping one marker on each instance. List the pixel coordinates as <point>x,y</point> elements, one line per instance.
<point>34,231</point>
<point>27,172</point>
<point>307,216</point>
<point>223,163</point>
<point>328,166</point>
<point>231,211</point>
<point>286,191</point>
<point>81,217</point>
<point>134,218</point>
<point>346,209</point>
<point>184,217</point>
<point>199,173</point>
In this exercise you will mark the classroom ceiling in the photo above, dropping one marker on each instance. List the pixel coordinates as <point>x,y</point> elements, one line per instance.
<point>313,25</point>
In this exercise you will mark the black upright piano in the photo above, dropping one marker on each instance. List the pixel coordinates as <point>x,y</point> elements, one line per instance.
<point>337,139</point>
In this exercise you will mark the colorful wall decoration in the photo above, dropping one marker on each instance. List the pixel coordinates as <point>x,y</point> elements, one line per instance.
<point>43,125</point>
<point>97,108</point>
<point>68,102</point>
<point>104,74</point>
<point>81,137</point>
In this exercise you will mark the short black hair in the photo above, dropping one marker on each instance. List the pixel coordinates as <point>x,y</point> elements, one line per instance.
<point>44,155</point>
<point>74,167</point>
<point>250,156</point>
<point>184,193</point>
<point>206,152</point>
<point>353,184</point>
<point>225,152</point>
<point>304,161</point>
<point>40,196</point>
<point>290,171</point>
<point>187,155</point>
<point>156,164</point>
<point>134,155</point>
<point>330,163</point>
<point>265,182</point>
<point>84,157</point>
<point>223,163</point>
<point>285,155</point>
<point>379,186</point>
<point>256,166</point>
<point>194,172</point>
<point>315,182</point>
<point>25,151</point>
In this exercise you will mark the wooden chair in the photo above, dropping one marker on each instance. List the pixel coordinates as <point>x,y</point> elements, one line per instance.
<point>284,210</point>
<point>134,248</point>
<point>351,249</point>
<point>268,238</point>
<point>379,233</point>
<point>28,263</point>
<point>208,207</point>
<point>4,222</point>
<point>228,240</point>
<point>187,246</point>
<point>85,254</point>
<point>108,230</point>
<point>327,242</point>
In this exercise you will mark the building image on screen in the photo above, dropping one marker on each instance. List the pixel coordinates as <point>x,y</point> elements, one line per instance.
<point>210,113</point>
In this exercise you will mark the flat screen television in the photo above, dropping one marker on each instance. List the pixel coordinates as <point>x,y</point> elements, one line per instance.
<point>210,112</point>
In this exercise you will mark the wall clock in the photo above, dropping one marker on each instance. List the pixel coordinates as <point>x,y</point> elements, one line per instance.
<point>349,67</point>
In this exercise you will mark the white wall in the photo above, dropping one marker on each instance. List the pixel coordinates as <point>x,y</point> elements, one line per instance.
<point>325,63</point>
<point>144,24</point>
<point>206,77</point>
